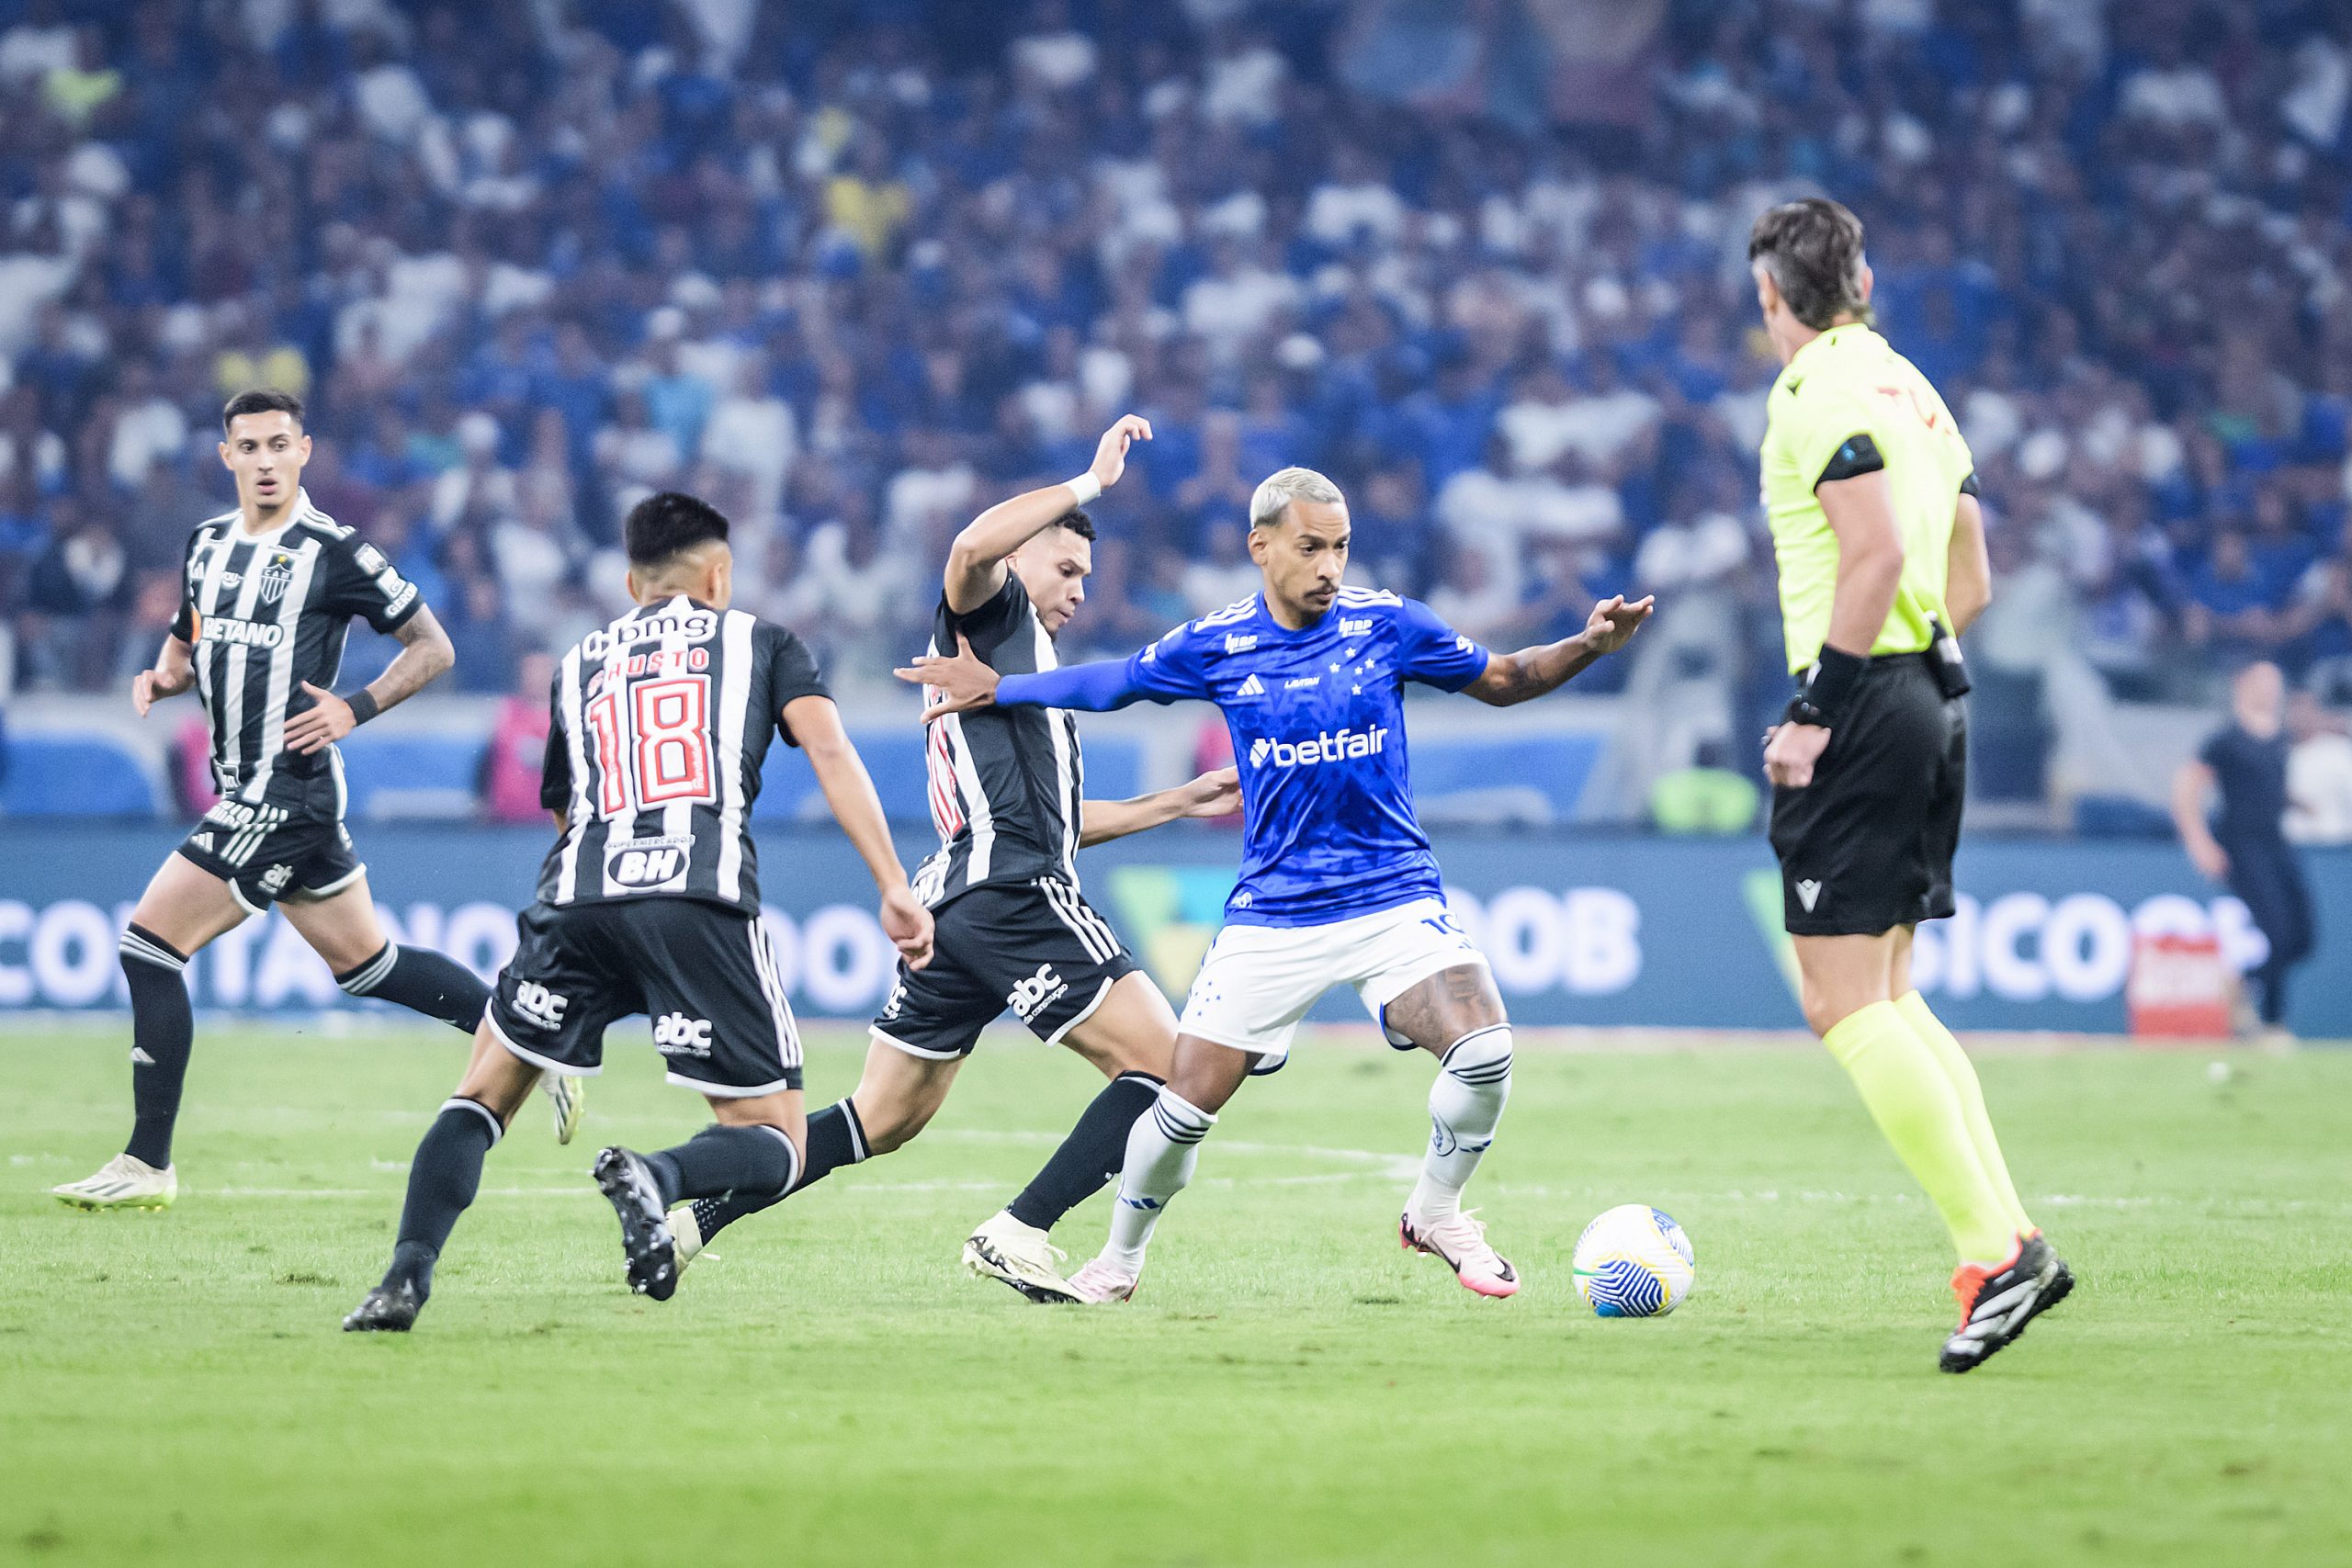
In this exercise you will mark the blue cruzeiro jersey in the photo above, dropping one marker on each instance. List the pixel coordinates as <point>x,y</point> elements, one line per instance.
<point>1318,719</point>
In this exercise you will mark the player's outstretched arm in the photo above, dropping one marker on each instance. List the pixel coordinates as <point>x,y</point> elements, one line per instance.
<point>976,560</point>
<point>425,655</point>
<point>175,673</point>
<point>1532,672</point>
<point>816,726</point>
<point>964,681</point>
<point>1216,794</point>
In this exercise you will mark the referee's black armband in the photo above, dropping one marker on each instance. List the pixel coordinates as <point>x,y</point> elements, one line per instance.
<point>1856,455</point>
<point>1968,486</point>
<point>363,706</point>
<point>1827,689</point>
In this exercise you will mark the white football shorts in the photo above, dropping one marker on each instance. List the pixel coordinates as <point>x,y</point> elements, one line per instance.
<point>1258,981</point>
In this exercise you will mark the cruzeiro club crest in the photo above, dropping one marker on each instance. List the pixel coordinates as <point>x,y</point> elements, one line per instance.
<point>275,578</point>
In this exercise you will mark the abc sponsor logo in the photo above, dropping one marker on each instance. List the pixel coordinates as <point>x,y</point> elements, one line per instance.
<point>675,1035</point>
<point>1036,993</point>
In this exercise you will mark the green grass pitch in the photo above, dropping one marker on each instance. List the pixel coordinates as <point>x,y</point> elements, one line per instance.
<point>1290,1389</point>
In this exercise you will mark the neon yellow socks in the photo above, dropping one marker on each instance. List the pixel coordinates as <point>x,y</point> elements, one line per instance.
<point>1962,1073</point>
<point>1911,1099</point>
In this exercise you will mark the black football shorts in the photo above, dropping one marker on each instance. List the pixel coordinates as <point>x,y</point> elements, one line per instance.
<point>703,972</point>
<point>267,853</point>
<point>1868,845</point>
<point>1038,948</point>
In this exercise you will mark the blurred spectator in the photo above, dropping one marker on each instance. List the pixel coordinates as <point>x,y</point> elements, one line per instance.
<point>2319,774</point>
<point>515,759</point>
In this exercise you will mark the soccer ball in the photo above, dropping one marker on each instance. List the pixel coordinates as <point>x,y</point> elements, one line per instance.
<point>1633,1261</point>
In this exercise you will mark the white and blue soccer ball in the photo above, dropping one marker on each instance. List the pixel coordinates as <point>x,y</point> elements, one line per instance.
<point>1633,1261</point>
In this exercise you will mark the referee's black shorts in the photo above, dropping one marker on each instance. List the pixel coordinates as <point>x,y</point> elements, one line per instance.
<point>1868,845</point>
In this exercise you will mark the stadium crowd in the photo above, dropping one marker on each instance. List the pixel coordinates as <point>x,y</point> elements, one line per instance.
<point>854,268</point>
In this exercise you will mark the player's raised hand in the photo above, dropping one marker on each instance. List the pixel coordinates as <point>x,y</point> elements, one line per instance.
<point>1613,621</point>
<point>957,683</point>
<point>1111,452</point>
<point>316,728</point>
<point>908,925</point>
<point>1214,794</point>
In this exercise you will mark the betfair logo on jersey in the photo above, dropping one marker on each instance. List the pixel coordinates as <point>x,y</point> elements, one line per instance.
<point>642,864</point>
<point>1331,746</point>
<point>675,1035</point>
<point>241,633</point>
<point>694,626</point>
<point>1037,993</point>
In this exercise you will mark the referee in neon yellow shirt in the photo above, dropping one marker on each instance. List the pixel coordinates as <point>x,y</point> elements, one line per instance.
<point>1871,495</point>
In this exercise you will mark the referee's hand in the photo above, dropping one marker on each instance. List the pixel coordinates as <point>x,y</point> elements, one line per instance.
<point>1790,753</point>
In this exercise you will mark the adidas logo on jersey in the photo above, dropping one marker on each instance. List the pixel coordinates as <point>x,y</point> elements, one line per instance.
<point>675,1035</point>
<point>1331,746</point>
<point>1036,993</point>
<point>1253,687</point>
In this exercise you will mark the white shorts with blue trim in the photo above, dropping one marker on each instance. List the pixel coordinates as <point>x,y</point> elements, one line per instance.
<point>1258,981</point>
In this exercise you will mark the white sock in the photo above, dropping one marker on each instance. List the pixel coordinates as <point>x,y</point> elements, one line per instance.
<point>1465,1103</point>
<point>1162,1148</point>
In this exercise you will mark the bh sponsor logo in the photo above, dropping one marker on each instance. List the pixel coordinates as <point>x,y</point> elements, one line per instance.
<point>642,864</point>
<point>1331,746</point>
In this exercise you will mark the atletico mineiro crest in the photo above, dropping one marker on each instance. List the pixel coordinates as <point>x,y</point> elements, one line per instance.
<point>275,578</point>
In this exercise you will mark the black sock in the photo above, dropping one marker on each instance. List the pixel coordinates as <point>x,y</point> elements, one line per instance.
<point>836,1138</point>
<point>163,1026</point>
<point>415,977</point>
<point>758,1162</point>
<point>1090,1155</point>
<point>442,1181</point>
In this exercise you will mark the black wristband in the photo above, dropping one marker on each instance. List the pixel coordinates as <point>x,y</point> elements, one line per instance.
<point>1826,690</point>
<point>363,706</point>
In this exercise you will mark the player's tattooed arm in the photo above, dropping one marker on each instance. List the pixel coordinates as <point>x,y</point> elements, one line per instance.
<point>816,727</point>
<point>1216,794</point>
<point>175,673</point>
<point>976,560</point>
<point>1532,672</point>
<point>426,654</point>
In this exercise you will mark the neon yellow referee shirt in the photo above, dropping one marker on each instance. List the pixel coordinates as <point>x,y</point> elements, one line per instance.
<point>1849,382</point>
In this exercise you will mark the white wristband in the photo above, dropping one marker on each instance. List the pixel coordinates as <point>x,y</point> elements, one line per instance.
<point>1085,488</point>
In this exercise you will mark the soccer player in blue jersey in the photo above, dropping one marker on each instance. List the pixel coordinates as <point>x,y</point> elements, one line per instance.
<point>1337,883</point>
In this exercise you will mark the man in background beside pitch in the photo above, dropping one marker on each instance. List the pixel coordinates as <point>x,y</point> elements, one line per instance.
<point>1871,492</point>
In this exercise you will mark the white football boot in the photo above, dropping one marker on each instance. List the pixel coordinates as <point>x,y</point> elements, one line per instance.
<point>123,1182</point>
<point>568,1095</point>
<point>1097,1280</point>
<point>1021,1255</point>
<point>1460,1242</point>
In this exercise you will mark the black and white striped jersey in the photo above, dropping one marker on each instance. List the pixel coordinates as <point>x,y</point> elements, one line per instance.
<point>1005,784</point>
<point>263,614</point>
<point>660,721</point>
